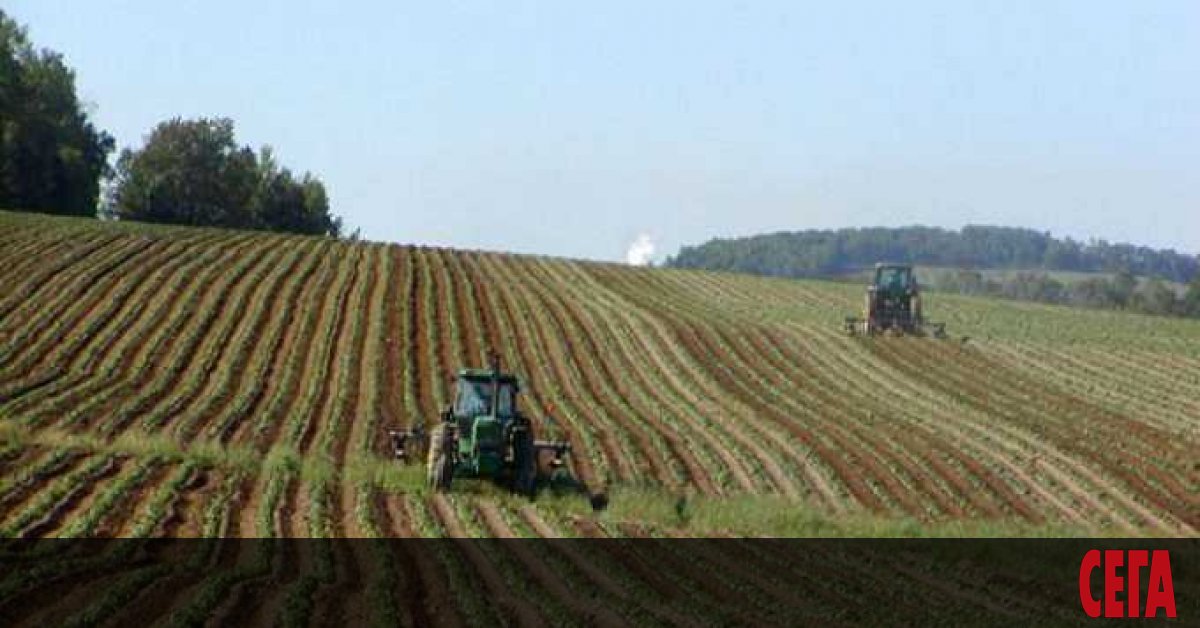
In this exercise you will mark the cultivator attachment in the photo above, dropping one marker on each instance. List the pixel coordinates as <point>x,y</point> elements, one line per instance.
<point>551,456</point>
<point>554,474</point>
<point>408,445</point>
<point>865,327</point>
<point>857,326</point>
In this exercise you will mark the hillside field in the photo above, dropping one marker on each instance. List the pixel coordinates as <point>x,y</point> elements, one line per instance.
<point>159,381</point>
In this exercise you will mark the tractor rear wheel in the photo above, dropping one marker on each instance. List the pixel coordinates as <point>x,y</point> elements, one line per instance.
<point>440,465</point>
<point>524,463</point>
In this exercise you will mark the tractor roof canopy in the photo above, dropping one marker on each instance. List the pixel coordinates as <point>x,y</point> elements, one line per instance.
<point>486,375</point>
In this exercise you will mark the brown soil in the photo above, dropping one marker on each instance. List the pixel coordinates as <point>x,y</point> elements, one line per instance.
<point>12,501</point>
<point>54,274</point>
<point>295,350</point>
<point>78,500</point>
<point>135,343</point>
<point>885,439</point>
<point>271,294</point>
<point>424,590</point>
<point>209,313</point>
<point>526,333</point>
<point>186,510</point>
<point>356,417</point>
<point>1029,404</point>
<point>579,343</point>
<point>279,348</point>
<point>321,411</point>
<point>514,607</point>
<point>77,303</point>
<point>219,342</point>
<point>390,380</point>
<point>421,370</point>
<point>116,523</point>
<point>50,603</point>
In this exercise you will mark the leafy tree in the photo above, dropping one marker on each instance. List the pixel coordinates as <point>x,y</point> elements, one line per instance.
<point>190,172</point>
<point>283,203</point>
<point>193,172</point>
<point>51,156</point>
<point>1091,292</point>
<point>970,281</point>
<point>1121,288</point>
<point>1156,297</point>
<point>1191,299</point>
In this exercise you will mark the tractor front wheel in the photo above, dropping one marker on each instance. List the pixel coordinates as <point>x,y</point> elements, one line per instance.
<point>440,466</point>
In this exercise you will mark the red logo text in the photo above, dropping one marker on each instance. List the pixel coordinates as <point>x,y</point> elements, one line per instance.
<point>1122,576</point>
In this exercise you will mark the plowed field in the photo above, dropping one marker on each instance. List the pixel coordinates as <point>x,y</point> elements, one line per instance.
<point>193,382</point>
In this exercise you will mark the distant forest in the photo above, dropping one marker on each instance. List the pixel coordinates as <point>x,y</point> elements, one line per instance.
<point>824,253</point>
<point>816,253</point>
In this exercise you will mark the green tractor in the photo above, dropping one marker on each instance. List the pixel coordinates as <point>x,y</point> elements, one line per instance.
<point>893,306</point>
<point>483,435</point>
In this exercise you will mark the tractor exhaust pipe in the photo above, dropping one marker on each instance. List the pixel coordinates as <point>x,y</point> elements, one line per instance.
<point>494,364</point>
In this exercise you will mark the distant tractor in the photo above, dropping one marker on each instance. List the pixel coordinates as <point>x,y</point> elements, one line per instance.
<point>483,435</point>
<point>893,306</point>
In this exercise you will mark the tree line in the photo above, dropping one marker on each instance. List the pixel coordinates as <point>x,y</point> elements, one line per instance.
<point>54,160</point>
<point>1120,291</point>
<point>823,253</point>
<point>828,253</point>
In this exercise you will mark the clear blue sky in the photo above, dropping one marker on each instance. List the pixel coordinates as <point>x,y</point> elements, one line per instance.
<point>570,128</point>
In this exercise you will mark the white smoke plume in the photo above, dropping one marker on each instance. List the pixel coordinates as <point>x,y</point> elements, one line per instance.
<point>640,250</point>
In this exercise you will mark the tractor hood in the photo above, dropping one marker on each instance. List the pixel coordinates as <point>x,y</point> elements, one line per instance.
<point>482,452</point>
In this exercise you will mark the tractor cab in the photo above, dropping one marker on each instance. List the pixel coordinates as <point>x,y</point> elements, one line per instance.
<point>894,279</point>
<point>475,392</point>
